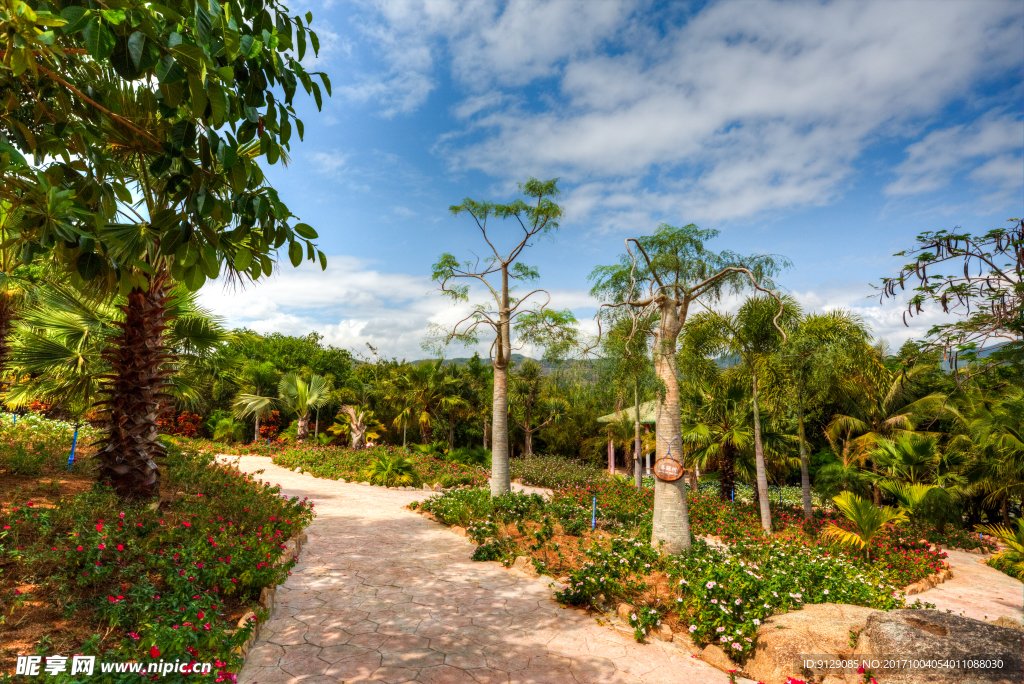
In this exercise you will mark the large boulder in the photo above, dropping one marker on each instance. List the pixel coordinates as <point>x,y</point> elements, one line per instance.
<point>929,635</point>
<point>817,629</point>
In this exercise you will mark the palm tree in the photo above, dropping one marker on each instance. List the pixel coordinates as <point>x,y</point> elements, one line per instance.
<point>431,390</point>
<point>881,404</point>
<point>257,379</point>
<point>754,334</point>
<point>529,395</point>
<point>868,521</point>
<point>301,397</point>
<point>816,354</point>
<point>996,427</point>
<point>1012,539</point>
<point>59,349</point>
<point>358,423</point>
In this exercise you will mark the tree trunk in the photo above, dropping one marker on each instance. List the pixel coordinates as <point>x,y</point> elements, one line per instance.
<point>425,437</point>
<point>528,430</point>
<point>303,432</point>
<point>451,435</point>
<point>805,473</point>
<point>256,436</point>
<point>136,395</point>
<point>405,424</point>
<point>1005,510</point>
<point>671,515</point>
<point>726,473</point>
<point>486,430</point>
<point>762,476</point>
<point>638,476</point>
<point>500,481</point>
<point>6,320</point>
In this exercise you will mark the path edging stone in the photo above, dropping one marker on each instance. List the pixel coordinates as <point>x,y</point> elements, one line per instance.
<point>292,549</point>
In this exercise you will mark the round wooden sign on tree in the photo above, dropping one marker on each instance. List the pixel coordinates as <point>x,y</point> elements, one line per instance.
<point>668,469</point>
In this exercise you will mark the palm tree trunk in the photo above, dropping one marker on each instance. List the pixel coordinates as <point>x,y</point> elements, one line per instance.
<point>6,320</point>
<point>136,394</point>
<point>762,476</point>
<point>1005,510</point>
<point>528,430</point>
<point>805,475</point>
<point>726,473</point>
<point>451,435</point>
<point>256,435</point>
<point>303,431</point>
<point>638,476</point>
<point>671,515</point>
<point>405,424</point>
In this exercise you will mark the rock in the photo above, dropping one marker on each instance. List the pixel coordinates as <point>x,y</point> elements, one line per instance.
<point>716,657</point>
<point>181,493</point>
<point>524,564</point>
<point>932,635</point>
<point>662,633</point>
<point>684,643</point>
<point>461,531</point>
<point>341,480</point>
<point>1009,622</point>
<point>365,484</point>
<point>817,629</point>
<point>426,487</point>
<point>437,487</point>
<point>624,610</point>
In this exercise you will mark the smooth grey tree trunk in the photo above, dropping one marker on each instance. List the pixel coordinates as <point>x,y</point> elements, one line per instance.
<point>762,475</point>
<point>671,514</point>
<point>256,437</point>
<point>500,477</point>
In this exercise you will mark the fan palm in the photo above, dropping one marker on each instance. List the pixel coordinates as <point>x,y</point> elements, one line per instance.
<point>430,390</point>
<point>1012,539</point>
<point>996,427</point>
<point>257,379</point>
<point>868,521</point>
<point>358,423</point>
<point>390,469</point>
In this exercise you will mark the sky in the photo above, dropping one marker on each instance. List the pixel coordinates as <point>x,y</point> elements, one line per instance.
<point>830,133</point>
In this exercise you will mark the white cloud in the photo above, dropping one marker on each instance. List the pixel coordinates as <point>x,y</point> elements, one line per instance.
<point>989,147</point>
<point>743,108</point>
<point>352,304</point>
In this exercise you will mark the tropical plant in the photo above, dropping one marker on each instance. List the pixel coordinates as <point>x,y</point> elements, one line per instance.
<point>62,340</point>
<point>257,379</point>
<point>996,428</point>
<point>429,391</point>
<point>533,407</point>
<point>674,269</point>
<point>160,91</point>
<point>228,430</point>
<point>390,469</point>
<point>819,350</point>
<point>754,335</point>
<point>868,521</point>
<point>294,393</point>
<point>504,314</point>
<point>1013,539</point>
<point>358,424</point>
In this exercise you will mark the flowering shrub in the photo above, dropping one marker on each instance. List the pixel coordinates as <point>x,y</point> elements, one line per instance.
<point>341,462</point>
<point>725,597</point>
<point>185,424</point>
<point>174,579</point>
<point>33,444</point>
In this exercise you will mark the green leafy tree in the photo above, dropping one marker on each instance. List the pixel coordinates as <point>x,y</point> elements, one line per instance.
<point>174,104</point>
<point>672,270</point>
<point>502,313</point>
<point>989,293</point>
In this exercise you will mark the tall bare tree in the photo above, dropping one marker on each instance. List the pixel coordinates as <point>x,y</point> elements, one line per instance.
<point>668,271</point>
<point>502,313</point>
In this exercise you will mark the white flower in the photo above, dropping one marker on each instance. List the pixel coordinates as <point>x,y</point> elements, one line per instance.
<point>739,601</point>
<point>826,592</point>
<point>756,621</point>
<point>710,585</point>
<point>720,629</point>
<point>693,628</point>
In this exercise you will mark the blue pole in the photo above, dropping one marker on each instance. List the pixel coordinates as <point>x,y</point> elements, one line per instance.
<point>732,496</point>
<point>74,443</point>
<point>15,420</point>
<point>593,516</point>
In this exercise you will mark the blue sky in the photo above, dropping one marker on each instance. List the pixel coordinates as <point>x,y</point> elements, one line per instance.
<point>831,133</point>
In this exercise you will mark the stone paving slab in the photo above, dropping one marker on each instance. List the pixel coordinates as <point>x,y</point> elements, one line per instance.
<point>976,590</point>
<point>381,594</point>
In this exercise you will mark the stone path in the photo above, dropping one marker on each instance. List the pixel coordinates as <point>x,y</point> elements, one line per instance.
<point>381,594</point>
<point>976,590</point>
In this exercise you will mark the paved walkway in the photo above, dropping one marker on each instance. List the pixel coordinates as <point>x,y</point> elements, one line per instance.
<point>976,590</point>
<point>381,594</point>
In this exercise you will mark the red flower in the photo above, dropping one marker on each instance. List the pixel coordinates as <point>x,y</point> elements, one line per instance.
<point>120,547</point>
<point>99,528</point>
